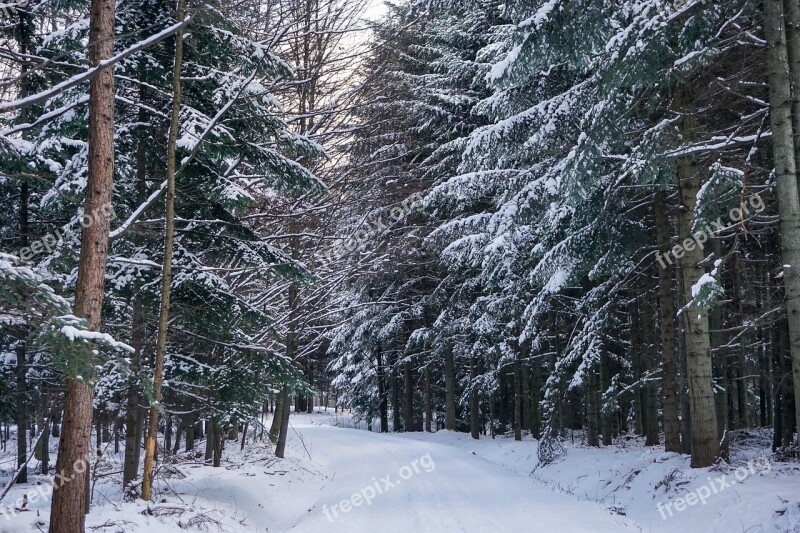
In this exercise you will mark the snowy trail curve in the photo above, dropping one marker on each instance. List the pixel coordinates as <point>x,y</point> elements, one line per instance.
<point>421,487</point>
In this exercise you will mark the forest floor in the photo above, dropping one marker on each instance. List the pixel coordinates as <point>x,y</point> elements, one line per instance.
<point>341,479</point>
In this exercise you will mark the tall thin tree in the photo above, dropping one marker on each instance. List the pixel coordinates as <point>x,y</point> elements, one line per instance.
<point>166,274</point>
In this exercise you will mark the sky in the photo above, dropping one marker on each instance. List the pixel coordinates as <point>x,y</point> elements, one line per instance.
<point>375,9</point>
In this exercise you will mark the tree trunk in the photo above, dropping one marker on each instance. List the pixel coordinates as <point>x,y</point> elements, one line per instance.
<point>69,505</point>
<point>167,431</point>
<point>719,362</point>
<point>117,431</point>
<point>408,417</point>
<point>277,418</point>
<point>606,420</point>
<point>395,382</point>
<point>785,428</point>
<point>166,272</point>
<point>637,357</point>
<point>133,415</point>
<point>743,420</point>
<point>666,275</point>
<point>705,445</point>
<point>42,450</point>
<point>518,397</point>
<point>536,385</point>
<point>21,413</point>
<point>502,412</point>
<point>527,403</point>
<point>428,401</point>
<point>683,384</point>
<point>383,395</point>
<point>190,425</point>
<point>182,425</point>
<point>474,405</point>
<point>780,96</point>
<point>766,391</point>
<point>291,340</point>
<point>218,436</point>
<point>25,30</point>
<point>450,390</point>
<point>792,19</point>
<point>209,455</point>
<point>280,447</point>
<point>592,437</point>
<point>650,389</point>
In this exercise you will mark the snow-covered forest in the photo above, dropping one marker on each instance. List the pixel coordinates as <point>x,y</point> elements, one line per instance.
<point>414,265</point>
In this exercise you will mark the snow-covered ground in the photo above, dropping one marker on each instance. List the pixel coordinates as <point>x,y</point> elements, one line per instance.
<point>632,480</point>
<point>350,480</point>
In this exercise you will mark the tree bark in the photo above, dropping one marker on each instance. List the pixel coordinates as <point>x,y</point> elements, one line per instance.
<point>666,275</point>
<point>25,30</point>
<point>167,431</point>
<point>280,447</point>
<point>218,436</point>
<point>792,19</point>
<point>190,425</point>
<point>244,435</point>
<point>166,272</point>
<point>527,403</point>
<point>719,362</point>
<point>683,384</point>
<point>450,390</point>
<point>69,506</point>
<point>291,340</point>
<point>428,401</point>
<point>132,420</point>
<point>474,405</point>
<point>43,419</point>
<point>408,415</point>
<point>606,420</point>
<point>536,385</point>
<point>209,453</point>
<point>383,395</point>
<point>397,424</point>
<point>705,445</point>
<point>650,389</point>
<point>637,357</point>
<point>21,413</point>
<point>780,96</point>
<point>742,419</point>
<point>518,397</point>
<point>502,412</point>
<point>592,436</point>
<point>179,428</point>
<point>277,417</point>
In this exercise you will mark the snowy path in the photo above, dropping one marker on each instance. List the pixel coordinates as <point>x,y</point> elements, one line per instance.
<point>445,490</point>
<point>388,483</point>
<point>439,483</point>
